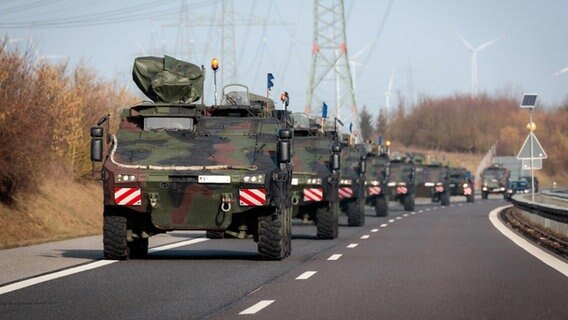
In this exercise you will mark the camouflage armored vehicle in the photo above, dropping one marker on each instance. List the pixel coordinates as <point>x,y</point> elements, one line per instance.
<point>377,179</point>
<point>494,179</point>
<point>316,159</point>
<point>432,182</point>
<point>461,183</point>
<point>176,164</point>
<point>352,183</point>
<point>402,183</point>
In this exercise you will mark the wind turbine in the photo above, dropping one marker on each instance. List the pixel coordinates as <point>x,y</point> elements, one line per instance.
<point>474,52</point>
<point>561,71</point>
<point>388,92</point>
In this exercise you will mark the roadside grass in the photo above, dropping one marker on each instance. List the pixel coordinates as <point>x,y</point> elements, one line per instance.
<point>62,209</point>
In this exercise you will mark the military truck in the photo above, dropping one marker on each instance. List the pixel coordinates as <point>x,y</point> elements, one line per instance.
<point>316,160</point>
<point>352,182</point>
<point>433,183</point>
<point>402,182</point>
<point>494,179</point>
<point>461,183</point>
<point>376,182</point>
<point>177,164</point>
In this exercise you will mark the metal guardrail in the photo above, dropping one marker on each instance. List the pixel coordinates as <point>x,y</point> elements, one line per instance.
<point>549,210</point>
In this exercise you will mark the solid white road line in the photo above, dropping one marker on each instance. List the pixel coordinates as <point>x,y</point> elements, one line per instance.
<point>353,245</point>
<point>540,254</point>
<point>374,230</point>
<point>93,265</point>
<point>365,236</point>
<point>334,257</point>
<point>384,225</point>
<point>257,307</point>
<point>306,275</point>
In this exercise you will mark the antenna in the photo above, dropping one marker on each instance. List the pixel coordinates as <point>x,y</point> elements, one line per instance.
<point>474,52</point>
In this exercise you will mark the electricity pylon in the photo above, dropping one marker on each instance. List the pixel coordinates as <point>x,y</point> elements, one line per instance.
<point>330,77</point>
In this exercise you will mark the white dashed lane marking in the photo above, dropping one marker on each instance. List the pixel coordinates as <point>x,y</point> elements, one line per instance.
<point>353,245</point>
<point>391,220</point>
<point>334,257</point>
<point>365,236</point>
<point>413,212</point>
<point>398,218</point>
<point>257,307</point>
<point>384,225</point>
<point>405,215</point>
<point>420,211</point>
<point>306,275</point>
<point>428,209</point>
<point>375,230</point>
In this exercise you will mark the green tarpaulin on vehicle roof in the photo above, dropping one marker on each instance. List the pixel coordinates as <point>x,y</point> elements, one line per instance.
<point>168,80</point>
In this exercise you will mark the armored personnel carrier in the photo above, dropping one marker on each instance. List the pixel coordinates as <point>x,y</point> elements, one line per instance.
<point>432,182</point>
<point>402,182</point>
<point>316,160</point>
<point>461,183</point>
<point>494,179</point>
<point>177,164</point>
<point>377,177</point>
<point>352,182</point>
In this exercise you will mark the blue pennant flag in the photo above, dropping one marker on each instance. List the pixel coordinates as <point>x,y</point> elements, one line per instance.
<point>324,111</point>
<point>269,83</point>
<point>380,142</point>
<point>351,127</point>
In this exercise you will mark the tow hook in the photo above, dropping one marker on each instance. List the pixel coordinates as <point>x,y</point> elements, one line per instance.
<point>153,197</point>
<point>226,202</point>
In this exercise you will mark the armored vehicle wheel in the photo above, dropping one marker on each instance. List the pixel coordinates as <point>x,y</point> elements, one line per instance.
<point>355,213</point>
<point>138,248</point>
<point>115,246</point>
<point>445,199</point>
<point>381,207</point>
<point>327,222</point>
<point>408,202</point>
<point>274,234</point>
<point>214,234</point>
<point>470,198</point>
<point>484,195</point>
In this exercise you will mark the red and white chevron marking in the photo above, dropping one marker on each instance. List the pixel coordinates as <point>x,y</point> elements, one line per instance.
<point>345,192</point>
<point>374,190</point>
<point>467,191</point>
<point>313,194</point>
<point>401,190</point>
<point>439,188</point>
<point>127,196</point>
<point>252,197</point>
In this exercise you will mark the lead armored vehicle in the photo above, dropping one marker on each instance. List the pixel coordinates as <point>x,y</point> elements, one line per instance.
<point>316,160</point>
<point>177,164</point>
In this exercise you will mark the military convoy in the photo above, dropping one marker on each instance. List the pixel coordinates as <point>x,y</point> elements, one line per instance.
<point>239,168</point>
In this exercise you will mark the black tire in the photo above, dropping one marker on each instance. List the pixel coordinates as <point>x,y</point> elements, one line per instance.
<point>408,202</point>
<point>445,199</point>
<point>381,207</point>
<point>355,213</point>
<point>470,198</point>
<point>209,234</point>
<point>327,222</point>
<point>274,238</point>
<point>484,195</point>
<point>115,246</point>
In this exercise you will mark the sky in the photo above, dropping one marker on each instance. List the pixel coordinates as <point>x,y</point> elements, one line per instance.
<point>418,46</point>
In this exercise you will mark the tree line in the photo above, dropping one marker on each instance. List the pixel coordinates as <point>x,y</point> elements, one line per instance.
<point>46,111</point>
<point>463,124</point>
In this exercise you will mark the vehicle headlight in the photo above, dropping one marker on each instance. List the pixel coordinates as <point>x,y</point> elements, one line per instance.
<point>403,184</point>
<point>392,184</point>
<point>429,184</point>
<point>345,181</point>
<point>439,184</point>
<point>314,181</point>
<point>374,182</point>
<point>256,178</point>
<point>465,185</point>
<point>125,178</point>
<point>510,191</point>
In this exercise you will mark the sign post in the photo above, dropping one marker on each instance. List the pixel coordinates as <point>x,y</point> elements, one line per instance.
<point>528,148</point>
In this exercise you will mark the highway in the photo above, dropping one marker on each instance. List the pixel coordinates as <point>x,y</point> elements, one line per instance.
<point>434,263</point>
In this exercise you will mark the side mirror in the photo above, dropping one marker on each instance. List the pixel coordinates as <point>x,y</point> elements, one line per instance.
<point>96,144</point>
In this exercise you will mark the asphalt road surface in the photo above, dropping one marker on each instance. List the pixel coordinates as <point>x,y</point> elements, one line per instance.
<point>434,263</point>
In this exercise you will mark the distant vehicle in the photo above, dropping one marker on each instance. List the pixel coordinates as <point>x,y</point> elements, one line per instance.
<point>377,179</point>
<point>494,179</point>
<point>432,182</point>
<point>516,186</point>
<point>402,182</point>
<point>528,178</point>
<point>461,183</point>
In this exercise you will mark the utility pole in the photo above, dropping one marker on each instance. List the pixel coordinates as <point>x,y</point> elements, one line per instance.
<point>330,76</point>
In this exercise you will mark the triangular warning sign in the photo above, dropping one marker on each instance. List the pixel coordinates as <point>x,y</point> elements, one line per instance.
<point>537,150</point>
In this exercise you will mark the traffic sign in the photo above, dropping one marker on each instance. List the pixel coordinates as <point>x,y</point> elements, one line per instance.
<point>536,164</point>
<point>537,150</point>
